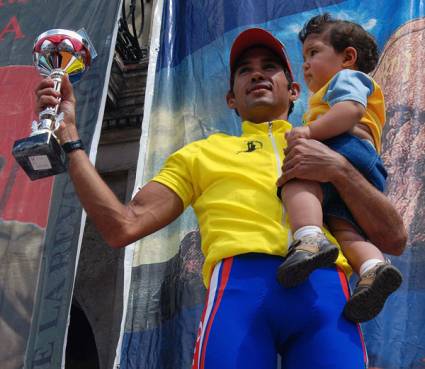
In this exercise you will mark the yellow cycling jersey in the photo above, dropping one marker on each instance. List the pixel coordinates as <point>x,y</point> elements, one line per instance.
<point>230,182</point>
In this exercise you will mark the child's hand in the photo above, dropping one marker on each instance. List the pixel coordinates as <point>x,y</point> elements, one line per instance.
<point>298,132</point>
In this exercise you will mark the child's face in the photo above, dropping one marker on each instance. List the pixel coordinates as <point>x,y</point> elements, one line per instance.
<point>321,61</point>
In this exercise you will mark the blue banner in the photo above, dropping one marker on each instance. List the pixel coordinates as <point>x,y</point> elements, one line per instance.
<point>191,82</point>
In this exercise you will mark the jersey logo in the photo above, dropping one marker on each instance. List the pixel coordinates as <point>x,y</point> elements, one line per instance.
<point>252,146</point>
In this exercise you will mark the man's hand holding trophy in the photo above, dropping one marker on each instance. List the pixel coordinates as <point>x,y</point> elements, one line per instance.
<point>55,53</point>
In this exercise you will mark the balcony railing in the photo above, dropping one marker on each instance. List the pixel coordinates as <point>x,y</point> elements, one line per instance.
<point>130,29</point>
<point>124,122</point>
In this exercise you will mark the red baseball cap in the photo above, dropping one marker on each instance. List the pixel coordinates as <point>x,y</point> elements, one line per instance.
<point>257,37</point>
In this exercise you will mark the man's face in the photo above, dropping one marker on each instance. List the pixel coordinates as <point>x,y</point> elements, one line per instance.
<point>321,61</point>
<point>260,90</point>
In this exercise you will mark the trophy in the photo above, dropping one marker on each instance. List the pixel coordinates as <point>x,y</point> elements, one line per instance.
<point>55,53</point>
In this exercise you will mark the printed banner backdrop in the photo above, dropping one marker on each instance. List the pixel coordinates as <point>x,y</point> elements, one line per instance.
<point>188,103</point>
<point>38,246</point>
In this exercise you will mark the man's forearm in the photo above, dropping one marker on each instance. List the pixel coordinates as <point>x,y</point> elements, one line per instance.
<point>119,224</point>
<point>312,160</point>
<point>152,208</point>
<point>372,210</point>
<point>102,206</point>
<point>100,203</point>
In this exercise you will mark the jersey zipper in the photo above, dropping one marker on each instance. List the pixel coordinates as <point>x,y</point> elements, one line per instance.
<point>278,170</point>
<point>275,150</point>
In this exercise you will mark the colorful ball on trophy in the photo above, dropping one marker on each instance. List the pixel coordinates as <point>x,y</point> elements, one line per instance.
<point>64,50</point>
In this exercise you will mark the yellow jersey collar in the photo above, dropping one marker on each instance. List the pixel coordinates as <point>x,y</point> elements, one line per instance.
<point>276,126</point>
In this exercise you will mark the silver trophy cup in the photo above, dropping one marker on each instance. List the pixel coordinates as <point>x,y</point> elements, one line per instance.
<point>55,53</point>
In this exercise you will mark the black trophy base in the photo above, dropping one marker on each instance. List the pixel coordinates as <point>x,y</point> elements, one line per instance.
<point>39,155</point>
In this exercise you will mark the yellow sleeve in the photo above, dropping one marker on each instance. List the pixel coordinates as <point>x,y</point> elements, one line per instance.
<point>176,174</point>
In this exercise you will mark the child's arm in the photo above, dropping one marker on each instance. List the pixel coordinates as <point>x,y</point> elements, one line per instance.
<point>341,118</point>
<point>347,97</point>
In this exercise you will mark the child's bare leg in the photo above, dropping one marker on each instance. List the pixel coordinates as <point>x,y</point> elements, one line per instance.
<point>311,249</point>
<point>355,247</point>
<point>378,278</point>
<point>303,202</point>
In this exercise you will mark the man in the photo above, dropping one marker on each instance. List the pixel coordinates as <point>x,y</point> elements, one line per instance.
<point>231,184</point>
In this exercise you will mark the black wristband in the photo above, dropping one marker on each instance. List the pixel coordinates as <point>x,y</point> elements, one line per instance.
<point>73,145</point>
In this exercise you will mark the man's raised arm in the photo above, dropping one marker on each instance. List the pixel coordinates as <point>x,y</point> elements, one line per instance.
<point>153,207</point>
<point>312,160</point>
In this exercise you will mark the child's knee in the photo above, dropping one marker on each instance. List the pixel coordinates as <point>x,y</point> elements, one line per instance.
<point>343,230</point>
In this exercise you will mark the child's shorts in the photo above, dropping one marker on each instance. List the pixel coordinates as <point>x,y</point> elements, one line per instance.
<point>363,156</point>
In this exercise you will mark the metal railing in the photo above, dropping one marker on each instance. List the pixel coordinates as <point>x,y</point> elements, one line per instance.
<point>124,122</point>
<point>129,32</point>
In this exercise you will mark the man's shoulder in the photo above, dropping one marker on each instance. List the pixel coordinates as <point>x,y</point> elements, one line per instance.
<point>215,138</point>
<point>216,141</point>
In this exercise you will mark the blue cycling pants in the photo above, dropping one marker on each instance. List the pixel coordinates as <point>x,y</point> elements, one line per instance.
<point>251,322</point>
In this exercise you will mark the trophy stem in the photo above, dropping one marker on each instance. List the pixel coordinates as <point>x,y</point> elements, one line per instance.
<point>56,76</point>
<point>48,118</point>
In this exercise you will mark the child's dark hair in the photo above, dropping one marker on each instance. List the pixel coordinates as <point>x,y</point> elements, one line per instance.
<point>342,34</point>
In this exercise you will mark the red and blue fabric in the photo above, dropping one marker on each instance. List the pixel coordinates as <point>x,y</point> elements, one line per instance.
<point>250,321</point>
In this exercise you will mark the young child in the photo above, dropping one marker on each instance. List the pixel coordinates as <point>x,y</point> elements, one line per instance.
<point>346,112</point>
